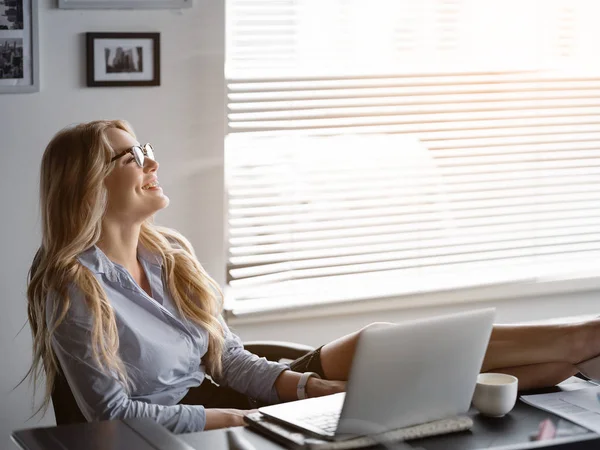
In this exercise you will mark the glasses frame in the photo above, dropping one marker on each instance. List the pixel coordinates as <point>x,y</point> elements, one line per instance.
<point>143,149</point>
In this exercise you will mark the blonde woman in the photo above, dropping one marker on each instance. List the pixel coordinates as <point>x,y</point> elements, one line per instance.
<point>123,308</point>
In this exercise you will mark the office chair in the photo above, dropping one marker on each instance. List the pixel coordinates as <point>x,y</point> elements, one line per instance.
<point>67,412</point>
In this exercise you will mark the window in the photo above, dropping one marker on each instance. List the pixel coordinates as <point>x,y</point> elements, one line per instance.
<point>405,146</point>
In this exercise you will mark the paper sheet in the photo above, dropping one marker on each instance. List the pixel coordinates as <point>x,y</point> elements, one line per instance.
<point>581,406</point>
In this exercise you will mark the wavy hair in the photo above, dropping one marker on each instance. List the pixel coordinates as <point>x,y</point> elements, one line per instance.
<point>73,201</point>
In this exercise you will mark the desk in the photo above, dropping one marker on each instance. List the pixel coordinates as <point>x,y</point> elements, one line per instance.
<point>512,430</point>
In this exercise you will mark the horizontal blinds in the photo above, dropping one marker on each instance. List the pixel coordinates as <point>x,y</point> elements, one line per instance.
<point>308,38</point>
<point>333,175</point>
<point>506,174</point>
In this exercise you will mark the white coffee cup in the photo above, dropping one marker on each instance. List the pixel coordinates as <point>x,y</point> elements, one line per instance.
<point>495,394</point>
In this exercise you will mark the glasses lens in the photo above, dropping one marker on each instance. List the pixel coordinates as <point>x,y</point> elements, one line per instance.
<point>139,156</point>
<point>149,151</point>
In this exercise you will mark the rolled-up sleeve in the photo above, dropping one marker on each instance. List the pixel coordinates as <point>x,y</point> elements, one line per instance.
<point>245,372</point>
<point>99,395</point>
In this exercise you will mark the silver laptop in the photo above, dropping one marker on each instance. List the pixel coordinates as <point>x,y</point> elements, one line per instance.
<point>402,375</point>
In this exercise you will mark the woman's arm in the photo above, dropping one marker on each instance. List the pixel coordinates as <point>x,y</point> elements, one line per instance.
<point>223,418</point>
<point>287,383</point>
<point>265,380</point>
<point>245,372</point>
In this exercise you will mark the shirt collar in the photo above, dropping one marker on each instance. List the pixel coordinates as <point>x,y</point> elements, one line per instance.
<point>95,260</point>
<point>148,256</point>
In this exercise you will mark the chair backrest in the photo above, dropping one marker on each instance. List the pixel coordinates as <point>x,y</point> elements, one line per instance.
<point>65,407</point>
<point>278,350</point>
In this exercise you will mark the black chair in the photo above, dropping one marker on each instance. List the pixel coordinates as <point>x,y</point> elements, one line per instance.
<point>65,407</point>
<point>67,412</point>
<point>278,350</point>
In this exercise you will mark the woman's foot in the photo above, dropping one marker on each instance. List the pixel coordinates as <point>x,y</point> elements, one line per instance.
<point>587,348</point>
<point>590,368</point>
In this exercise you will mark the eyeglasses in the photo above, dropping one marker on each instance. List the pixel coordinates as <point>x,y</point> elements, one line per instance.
<point>139,153</point>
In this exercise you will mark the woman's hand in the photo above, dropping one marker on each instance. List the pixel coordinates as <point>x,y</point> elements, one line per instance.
<point>316,387</point>
<point>224,418</point>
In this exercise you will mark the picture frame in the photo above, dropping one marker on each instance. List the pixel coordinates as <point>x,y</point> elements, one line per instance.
<point>123,59</point>
<point>19,53</point>
<point>124,4</point>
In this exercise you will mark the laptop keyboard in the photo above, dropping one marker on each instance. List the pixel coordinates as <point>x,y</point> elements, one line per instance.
<point>326,421</point>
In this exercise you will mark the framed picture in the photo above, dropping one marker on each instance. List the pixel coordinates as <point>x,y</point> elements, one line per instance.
<point>123,4</point>
<point>19,71</point>
<point>123,59</point>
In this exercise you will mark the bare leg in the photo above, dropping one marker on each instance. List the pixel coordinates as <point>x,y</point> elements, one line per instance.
<point>336,357</point>
<point>520,345</point>
<point>542,355</point>
<point>540,375</point>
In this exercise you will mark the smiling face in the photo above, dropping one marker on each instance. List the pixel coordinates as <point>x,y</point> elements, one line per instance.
<point>133,192</point>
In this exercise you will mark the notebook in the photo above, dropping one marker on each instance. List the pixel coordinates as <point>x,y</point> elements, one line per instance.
<point>128,434</point>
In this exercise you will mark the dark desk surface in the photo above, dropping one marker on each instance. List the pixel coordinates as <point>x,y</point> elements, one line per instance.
<point>510,432</point>
<point>513,429</point>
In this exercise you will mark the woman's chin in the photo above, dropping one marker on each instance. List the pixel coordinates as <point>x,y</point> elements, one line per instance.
<point>157,205</point>
<point>162,202</point>
<point>166,201</point>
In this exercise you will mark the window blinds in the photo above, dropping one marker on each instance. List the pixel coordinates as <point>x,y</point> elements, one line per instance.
<point>398,137</point>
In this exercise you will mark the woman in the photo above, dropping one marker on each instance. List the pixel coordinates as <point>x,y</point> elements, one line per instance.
<point>123,308</point>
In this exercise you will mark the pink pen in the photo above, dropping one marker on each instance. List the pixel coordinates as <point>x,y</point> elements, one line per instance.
<point>546,430</point>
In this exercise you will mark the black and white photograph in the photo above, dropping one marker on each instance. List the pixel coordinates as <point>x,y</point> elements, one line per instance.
<point>11,58</point>
<point>123,59</point>
<point>11,15</point>
<point>19,61</point>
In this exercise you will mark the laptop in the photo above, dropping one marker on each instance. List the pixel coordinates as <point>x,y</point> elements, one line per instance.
<point>402,375</point>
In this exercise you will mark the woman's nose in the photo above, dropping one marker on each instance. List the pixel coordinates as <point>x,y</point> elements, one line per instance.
<point>150,165</point>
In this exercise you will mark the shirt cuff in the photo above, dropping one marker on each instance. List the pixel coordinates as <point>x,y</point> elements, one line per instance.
<point>193,419</point>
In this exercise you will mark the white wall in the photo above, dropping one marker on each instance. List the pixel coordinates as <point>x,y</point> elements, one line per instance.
<point>183,118</point>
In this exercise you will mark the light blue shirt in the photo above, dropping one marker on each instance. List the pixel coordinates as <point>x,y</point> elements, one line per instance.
<point>162,352</point>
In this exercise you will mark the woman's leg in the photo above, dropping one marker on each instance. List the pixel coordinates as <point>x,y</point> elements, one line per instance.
<point>540,375</point>
<point>542,355</point>
<point>522,345</point>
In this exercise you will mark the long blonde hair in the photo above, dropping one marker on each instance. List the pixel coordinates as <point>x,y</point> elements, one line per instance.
<point>73,201</point>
